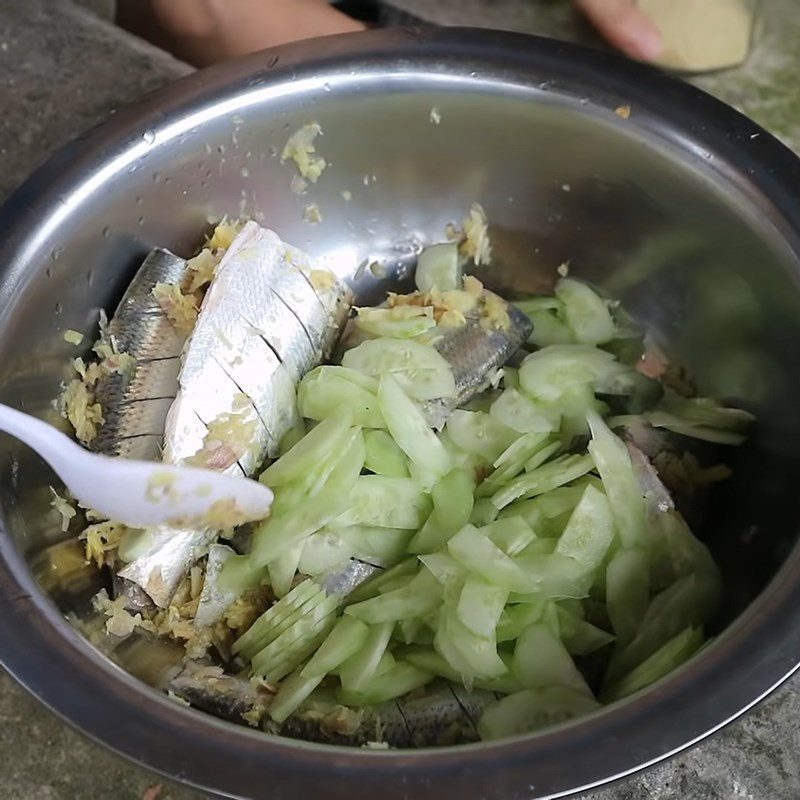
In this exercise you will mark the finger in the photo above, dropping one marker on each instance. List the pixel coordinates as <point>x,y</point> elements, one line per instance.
<point>625,26</point>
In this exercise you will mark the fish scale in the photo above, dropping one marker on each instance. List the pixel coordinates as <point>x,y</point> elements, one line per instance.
<point>135,403</point>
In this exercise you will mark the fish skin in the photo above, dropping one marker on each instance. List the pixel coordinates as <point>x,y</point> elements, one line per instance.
<point>135,404</point>
<point>216,692</point>
<point>344,580</point>
<point>214,601</point>
<point>474,353</point>
<point>261,327</point>
<point>441,714</point>
<point>692,502</point>
<point>236,354</point>
<point>657,496</point>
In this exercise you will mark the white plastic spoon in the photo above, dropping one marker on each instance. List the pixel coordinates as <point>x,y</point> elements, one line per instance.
<point>141,493</point>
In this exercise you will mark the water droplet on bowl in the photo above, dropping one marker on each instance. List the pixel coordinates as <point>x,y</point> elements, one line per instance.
<point>237,119</point>
<point>141,220</point>
<point>106,232</point>
<point>326,87</point>
<point>244,172</point>
<point>89,278</point>
<point>156,176</point>
<point>149,136</point>
<point>58,308</point>
<point>221,148</point>
<point>49,272</point>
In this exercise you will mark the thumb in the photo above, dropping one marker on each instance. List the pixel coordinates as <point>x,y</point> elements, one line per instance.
<point>625,26</point>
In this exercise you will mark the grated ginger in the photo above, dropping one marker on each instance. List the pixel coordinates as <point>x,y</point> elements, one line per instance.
<point>63,507</point>
<point>229,437</point>
<point>312,214</point>
<point>224,234</point>
<point>102,540</point>
<point>79,407</point>
<point>247,608</point>
<point>476,244</point>
<point>73,337</point>
<point>300,149</point>
<point>494,313</point>
<point>181,309</point>
<point>322,280</point>
<point>203,267</point>
<point>120,621</point>
<point>448,308</point>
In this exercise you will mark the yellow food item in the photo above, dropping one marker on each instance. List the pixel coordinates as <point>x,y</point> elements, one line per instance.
<point>64,508</point>
<point>73,337</point>
<point>247,608</point>
<point>229,437</point>
<point>494,313</point>
<point>181,309</point>
<point>322,279</point>
<point>312,214</point>
<point>452,318</point>
<point>79,407</point>
<point>701,35</point>
<point>473,286</point>
<point>300,149</point>
<point>224,234</point>
<point>476,244</point>
<point>203,267</point>
<point>102,539</point>
<point>120,622</point>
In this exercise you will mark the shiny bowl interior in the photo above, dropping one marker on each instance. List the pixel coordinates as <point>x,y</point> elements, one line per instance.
<point>681,207</point>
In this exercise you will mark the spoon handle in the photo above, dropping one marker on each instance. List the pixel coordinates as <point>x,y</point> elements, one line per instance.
<point>57,449</point>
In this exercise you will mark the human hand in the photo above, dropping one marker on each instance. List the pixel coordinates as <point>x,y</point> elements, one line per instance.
<point>625,26</point>
<point>203,32</point>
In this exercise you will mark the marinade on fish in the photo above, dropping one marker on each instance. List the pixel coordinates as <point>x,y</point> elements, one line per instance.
<point>475,351</point>
<point>135,401</point>
<point>269,315</point>
<point>441,714</point>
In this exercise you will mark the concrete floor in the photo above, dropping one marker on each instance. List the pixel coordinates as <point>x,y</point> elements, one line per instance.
<point>61,70</point>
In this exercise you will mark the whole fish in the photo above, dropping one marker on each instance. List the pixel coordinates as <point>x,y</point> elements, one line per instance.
<point>441,714</point>
<point>135,401</point>
<point>270,315</point>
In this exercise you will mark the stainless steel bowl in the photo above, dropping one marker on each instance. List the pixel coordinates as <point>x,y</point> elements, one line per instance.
<point>686,209</point>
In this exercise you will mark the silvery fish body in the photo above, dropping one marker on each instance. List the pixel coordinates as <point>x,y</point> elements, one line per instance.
<point>262,326</point>
<point>214,600</point>
<point>135,402</point>
<point>269,316</point>
<point>441,714</point>
<point>474,352</point>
